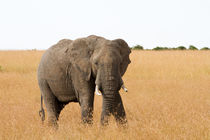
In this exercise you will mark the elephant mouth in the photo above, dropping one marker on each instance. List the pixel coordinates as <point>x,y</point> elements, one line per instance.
<point>98,92</point>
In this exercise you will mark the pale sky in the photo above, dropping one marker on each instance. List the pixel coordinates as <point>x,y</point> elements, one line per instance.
<point>27,24</point>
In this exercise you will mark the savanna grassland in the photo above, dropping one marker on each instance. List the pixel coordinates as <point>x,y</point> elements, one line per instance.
<point>168,98</point>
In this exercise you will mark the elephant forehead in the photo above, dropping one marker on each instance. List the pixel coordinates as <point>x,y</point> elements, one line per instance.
<point>111,58</point>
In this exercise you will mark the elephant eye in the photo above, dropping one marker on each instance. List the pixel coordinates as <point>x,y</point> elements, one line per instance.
<point>96,64</point>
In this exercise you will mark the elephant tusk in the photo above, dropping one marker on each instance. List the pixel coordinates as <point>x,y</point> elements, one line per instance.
<point>124,88</point>
<point>97,91</point>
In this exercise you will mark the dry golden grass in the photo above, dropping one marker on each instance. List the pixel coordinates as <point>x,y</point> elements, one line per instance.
<point>168,98</point>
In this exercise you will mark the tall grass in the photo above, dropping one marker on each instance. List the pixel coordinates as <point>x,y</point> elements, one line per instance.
<point>168,98</point>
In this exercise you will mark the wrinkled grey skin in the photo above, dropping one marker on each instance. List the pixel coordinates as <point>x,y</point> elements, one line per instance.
<point>70,70</point>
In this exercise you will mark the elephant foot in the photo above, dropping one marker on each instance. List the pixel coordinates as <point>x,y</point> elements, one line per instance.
<point>53,123</point>
<point>122,122</point>
<point>87,121</point>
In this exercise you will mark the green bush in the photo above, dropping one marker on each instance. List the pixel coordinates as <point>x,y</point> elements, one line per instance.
<point>205,48</point>
<point>138,47</point>
<point>173,48</point>
<point>191,47</point>
<point>181,48</point>
<point>1,68</point>
<point>160,48</point>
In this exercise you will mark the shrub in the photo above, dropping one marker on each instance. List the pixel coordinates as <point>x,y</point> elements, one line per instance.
<point>181,48</point>
<point>173,49</point>
<point>160,48</point>
<point>138,47</point>
<point>205,48</point>
<point>191,47</point>
<point>1,68</point>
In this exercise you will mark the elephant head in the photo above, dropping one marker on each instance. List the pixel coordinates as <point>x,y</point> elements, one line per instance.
<point>109,62</point>
<point>104,62</point>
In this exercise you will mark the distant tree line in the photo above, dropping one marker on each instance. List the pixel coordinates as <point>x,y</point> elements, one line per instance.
<point>191,47</point>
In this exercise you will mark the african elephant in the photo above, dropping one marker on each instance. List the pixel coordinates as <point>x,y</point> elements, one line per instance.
<point>70,71</point>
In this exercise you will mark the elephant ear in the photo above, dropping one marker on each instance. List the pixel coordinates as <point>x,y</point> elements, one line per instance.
<point>84,67</point>
<point>80,54</point>
<point>125,51</point>
<point>123,47</point>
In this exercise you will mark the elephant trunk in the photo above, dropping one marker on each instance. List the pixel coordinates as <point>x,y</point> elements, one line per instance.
<point>112,104</point>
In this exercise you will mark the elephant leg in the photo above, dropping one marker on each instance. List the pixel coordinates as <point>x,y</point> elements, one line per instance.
<point>52,104</point>
<point>86,104</point>
<point>54,108</point>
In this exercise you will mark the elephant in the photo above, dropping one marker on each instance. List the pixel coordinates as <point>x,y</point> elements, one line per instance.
<point>72,70</point>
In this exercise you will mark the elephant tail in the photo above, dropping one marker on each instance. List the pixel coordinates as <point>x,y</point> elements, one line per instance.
<point>41,112</point>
